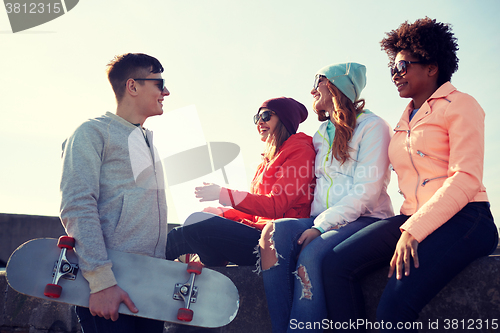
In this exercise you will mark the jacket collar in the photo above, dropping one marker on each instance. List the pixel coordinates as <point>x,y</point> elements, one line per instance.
<point>443,91</point>
<point>404,123</point>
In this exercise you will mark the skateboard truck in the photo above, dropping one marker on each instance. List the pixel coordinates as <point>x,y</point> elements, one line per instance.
<point>187,292</point>
<point>62,268</point>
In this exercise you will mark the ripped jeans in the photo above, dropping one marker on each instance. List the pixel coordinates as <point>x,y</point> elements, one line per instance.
<point>292,301</point>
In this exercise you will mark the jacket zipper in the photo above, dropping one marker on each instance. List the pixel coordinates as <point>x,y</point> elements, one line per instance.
<point>430,179</point>
<point>331,180</point>
<point>151,149</point>
<point>413,164</point>
<point>422,154</point>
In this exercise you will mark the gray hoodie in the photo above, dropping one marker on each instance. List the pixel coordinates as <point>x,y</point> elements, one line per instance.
<point>112,195</point>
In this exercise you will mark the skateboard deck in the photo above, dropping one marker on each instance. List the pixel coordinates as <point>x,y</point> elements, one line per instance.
<point>151,283</point>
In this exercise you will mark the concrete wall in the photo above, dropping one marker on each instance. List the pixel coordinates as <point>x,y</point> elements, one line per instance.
<point>18,229</point>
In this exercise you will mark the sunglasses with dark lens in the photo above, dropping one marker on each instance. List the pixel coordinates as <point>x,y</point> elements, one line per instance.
<point>160,84</point>
<point>265,116</point>
<point>317,80</point>
<point>400,67</point>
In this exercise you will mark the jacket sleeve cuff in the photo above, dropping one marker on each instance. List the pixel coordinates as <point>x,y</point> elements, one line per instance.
<point>224,197</point>
<point>321,221</point>
<point>100,279</point>
<point>319,229</point>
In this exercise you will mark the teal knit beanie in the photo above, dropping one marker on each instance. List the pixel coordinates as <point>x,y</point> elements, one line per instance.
<point>350,78</point>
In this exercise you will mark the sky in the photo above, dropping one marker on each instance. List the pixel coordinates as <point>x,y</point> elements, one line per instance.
<point>222,59</point>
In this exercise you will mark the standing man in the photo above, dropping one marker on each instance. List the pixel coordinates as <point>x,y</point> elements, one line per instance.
<point>113,191</point>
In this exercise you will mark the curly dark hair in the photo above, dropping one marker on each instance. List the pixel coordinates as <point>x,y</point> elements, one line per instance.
<point>430,41</point>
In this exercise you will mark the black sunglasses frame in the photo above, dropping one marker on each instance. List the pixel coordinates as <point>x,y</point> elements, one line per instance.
<point>265,116</point>
<point>401,67</point>
<point>160,85</point>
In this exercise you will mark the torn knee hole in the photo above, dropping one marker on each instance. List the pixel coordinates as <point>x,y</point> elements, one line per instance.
<point>268,252</point>
<point>270,256</point>
<point>303,277</point>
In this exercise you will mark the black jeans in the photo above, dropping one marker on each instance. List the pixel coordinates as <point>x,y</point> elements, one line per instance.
<point>215,239</point>
<point>124,324</point>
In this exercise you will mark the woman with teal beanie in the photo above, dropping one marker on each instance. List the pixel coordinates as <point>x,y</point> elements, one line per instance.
<point>352,174</point>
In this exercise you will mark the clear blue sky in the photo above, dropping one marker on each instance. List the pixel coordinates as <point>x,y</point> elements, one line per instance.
<point>225,57</point>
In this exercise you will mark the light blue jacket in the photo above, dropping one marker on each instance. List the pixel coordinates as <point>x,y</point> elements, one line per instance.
<point>358,187</point>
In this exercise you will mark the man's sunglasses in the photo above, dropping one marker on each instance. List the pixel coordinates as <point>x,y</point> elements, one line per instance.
<point>265,116</point>
<point>160,84</point>
<point>401,66</point>
<point>317,80</point>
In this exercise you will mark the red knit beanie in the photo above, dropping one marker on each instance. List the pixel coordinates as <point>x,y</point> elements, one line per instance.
<point>290,112</point>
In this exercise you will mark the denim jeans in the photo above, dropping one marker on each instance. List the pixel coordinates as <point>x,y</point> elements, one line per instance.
<point>468,235</point>
<point>289,300</point>
<point>124,324</point>
<point>215,239</point>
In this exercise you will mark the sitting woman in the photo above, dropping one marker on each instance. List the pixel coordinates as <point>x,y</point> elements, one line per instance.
<point>282,187</point>
<point>352,170</point>
<point>437,152</point>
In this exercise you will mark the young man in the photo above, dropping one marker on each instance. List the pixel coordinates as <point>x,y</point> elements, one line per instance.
<point>113,191</point>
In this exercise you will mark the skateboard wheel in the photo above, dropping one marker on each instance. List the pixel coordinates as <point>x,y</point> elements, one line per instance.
<point>66,242</point>
<point>185,314</point>
<point>194,267</point>
<point>52,290</point>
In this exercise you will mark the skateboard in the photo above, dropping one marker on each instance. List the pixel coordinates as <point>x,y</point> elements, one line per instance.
<point>164,290</point>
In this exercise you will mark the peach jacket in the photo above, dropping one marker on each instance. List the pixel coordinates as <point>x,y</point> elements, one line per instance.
<point>438,157</point>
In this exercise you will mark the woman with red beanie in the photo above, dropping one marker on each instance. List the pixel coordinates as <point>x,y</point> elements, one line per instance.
<point>282,187</point>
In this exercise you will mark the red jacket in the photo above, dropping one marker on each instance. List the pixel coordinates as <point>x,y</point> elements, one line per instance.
<point>282,187</point>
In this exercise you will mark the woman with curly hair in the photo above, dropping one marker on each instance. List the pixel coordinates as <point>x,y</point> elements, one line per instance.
<point>437,152</point>
<point>352,174</point>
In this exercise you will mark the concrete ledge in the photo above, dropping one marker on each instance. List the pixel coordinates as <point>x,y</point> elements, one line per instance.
<point>18,229</point>
<point>20,313</point>
<point>473,295</point>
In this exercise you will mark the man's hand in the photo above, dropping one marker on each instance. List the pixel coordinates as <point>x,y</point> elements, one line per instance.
<point>105,303</point>
<point>407,246</point>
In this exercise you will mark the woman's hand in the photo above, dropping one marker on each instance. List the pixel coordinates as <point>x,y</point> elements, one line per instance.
<point>307,237</point>
<point>207,192</point>
<point>407,246</point>
<point>214,210</point>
